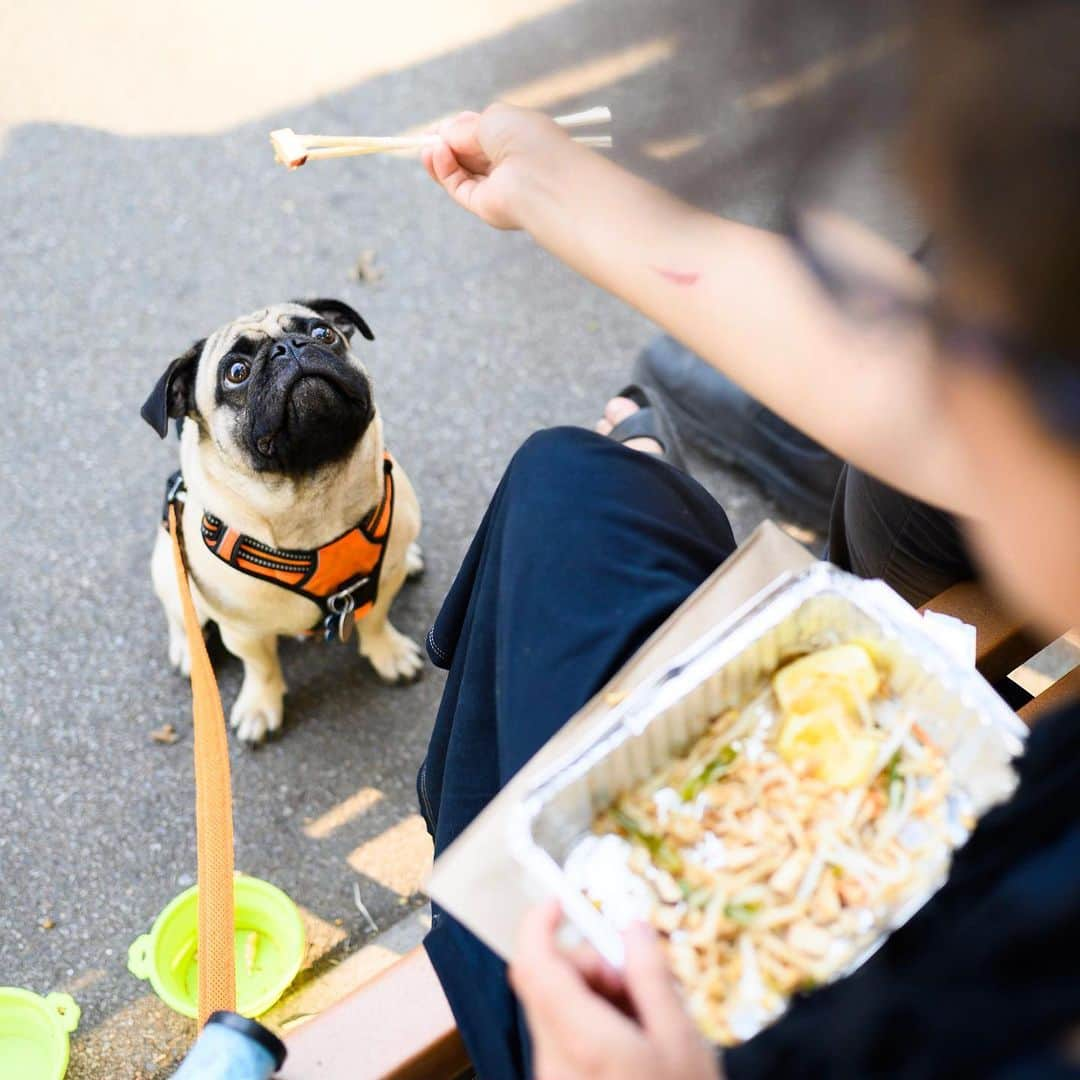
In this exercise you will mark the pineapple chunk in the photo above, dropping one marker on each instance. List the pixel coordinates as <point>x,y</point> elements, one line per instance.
<point>832,749</point>
<point>815,681</point>
<point>852,764</point>
<point>820,695</point>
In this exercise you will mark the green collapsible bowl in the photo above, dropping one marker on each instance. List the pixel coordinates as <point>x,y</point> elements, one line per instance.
<point>34,1034</point>
<point>168,955</point>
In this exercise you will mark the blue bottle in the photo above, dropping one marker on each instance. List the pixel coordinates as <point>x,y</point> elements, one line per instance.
<point>231,1047</point>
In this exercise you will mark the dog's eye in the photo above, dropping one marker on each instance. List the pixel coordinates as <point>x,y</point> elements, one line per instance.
<point>327,335</point>
<point>238,373</point>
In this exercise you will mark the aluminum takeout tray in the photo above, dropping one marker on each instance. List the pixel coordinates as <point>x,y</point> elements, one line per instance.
<point>819,607</point>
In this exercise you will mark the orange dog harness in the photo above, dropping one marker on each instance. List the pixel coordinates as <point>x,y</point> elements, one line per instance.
<point>341,577</point>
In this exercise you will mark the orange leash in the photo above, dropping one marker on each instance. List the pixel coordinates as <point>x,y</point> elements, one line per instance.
<point>213,811</point>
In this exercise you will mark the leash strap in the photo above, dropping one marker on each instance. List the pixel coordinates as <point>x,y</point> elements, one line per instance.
<point>213,811</point>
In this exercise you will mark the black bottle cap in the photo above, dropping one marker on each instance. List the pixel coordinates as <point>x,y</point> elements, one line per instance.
<point>254,1031</point>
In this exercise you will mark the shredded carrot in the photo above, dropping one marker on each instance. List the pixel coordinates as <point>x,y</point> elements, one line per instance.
<point>920,733</point>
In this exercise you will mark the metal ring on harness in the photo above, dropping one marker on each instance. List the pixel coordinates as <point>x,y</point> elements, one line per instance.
<point>342,604</point>
<point>344,597</point>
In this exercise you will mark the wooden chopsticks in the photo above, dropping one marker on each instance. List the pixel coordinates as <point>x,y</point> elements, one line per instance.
<point>294,150</point>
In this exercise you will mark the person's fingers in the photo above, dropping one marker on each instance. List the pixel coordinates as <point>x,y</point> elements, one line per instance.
<point>461,134</point>
<point>598,973</point>
<point>589,963</point>
<point>576,1032</point>
<point>463,119</point>
<point>652,988</point>
<point>547,981</point>
<point>444,163</point>
<point>426,155</point>
<point>537,927</point>
<point>447,171</point>
<point>538,943</point>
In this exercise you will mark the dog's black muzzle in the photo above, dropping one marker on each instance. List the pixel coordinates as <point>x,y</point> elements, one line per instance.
<point>308,407</point>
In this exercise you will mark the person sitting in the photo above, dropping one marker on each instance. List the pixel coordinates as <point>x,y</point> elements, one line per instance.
<point>962,393</point>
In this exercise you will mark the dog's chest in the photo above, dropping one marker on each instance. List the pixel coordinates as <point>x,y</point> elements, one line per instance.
<point>238,598</point>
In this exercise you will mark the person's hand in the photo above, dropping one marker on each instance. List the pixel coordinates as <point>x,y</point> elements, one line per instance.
<point>484,160</point>
<point>589,1021</point>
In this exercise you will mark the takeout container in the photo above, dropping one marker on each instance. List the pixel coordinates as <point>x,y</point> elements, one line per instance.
<point>34,1034</point>
<point>819,607</point>
<point>168,955</point>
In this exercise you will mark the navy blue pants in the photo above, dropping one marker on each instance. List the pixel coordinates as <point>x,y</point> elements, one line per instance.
<point>585,550</point>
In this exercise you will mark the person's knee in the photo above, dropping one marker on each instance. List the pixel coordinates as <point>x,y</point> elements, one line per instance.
<point>553,451</point>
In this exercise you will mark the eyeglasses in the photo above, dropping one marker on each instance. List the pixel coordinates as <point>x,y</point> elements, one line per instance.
<point>873,283</point>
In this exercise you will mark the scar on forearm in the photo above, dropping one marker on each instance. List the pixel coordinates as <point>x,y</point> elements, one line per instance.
<point>677,277</point>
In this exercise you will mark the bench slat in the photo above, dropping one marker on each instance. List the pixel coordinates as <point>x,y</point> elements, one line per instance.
<point>1066,689</point>
<point>398,1026</point>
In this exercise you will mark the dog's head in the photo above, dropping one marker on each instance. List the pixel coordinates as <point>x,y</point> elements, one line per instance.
<point>280,389</point>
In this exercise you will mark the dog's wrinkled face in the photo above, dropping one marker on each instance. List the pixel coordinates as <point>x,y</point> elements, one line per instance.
<point>279,388</point>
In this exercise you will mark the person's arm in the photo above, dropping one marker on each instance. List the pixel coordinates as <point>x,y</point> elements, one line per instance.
<point>736,295</point>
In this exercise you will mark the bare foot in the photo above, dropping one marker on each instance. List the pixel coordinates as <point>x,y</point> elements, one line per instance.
<point>615,412</point>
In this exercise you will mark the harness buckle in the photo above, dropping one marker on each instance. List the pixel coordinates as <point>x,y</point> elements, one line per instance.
<point>340,622</point>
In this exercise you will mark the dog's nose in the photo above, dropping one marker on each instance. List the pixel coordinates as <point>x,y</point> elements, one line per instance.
<point>284,349</point>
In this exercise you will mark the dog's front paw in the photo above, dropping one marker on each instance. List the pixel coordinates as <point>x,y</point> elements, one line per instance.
<point>258,711</point>
<point>179,653</point>
<point>395,657</point>
<point>414,561</point>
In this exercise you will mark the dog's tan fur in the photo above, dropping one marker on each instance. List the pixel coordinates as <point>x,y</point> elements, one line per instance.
<point>284,513</point>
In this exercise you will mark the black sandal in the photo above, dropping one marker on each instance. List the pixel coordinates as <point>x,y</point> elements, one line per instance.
<point>649,422</point>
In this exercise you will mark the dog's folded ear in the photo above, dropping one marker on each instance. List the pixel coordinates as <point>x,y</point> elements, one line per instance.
<point>174,394</point>
<point>340,315</point>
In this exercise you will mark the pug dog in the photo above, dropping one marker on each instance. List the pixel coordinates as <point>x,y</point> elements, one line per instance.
<point>294,518</point>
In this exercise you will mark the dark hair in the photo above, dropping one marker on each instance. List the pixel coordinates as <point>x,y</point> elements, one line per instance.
<point>992,145</point>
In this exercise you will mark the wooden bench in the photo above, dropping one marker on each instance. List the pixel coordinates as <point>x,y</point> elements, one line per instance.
<point>399,1025</point>
<point>1066,689</point>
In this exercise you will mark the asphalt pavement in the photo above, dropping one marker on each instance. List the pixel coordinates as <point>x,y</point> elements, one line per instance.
<point>119,250</point>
